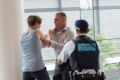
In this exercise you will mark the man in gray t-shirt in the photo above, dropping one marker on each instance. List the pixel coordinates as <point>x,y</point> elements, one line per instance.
<point>59,36</point>
<point>30,45</point>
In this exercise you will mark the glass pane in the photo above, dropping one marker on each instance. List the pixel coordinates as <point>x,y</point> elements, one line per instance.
<point>31,4</point>
<point>85,4</point>
<point>88,15</point>
<point>70,3</point>
<point>109,23</point>
<point>110,57</point>
<point>109,2</point>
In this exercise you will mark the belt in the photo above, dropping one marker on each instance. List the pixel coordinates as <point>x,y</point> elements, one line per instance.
<point>86,75</point>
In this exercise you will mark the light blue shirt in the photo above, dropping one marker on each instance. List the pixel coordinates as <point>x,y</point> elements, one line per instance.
<point>67,51</point>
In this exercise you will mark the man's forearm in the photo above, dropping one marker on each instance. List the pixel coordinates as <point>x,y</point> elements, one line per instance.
<point>55,44</point>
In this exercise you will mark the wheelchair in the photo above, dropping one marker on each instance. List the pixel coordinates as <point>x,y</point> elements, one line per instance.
<point>76,75</point>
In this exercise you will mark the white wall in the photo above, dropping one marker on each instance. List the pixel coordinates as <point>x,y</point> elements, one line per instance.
<point>11,21</point>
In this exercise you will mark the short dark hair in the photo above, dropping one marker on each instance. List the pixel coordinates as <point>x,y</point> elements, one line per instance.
<point>62,14</point>
<point>82,25</point>
<point>33,19</point>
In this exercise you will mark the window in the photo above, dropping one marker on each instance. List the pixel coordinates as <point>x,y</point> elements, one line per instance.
<point>109,23</point>
<point>109,36</point>
<point>103,17</point>
<point>109,3</point>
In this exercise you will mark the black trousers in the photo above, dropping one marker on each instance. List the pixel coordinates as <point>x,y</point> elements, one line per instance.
<point>57,73</point>
<point>37,75</point>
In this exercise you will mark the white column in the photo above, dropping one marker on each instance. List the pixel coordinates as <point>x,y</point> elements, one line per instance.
<point>11,21</point>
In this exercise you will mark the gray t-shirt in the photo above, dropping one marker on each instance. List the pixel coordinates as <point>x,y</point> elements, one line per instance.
<point>31,52</point>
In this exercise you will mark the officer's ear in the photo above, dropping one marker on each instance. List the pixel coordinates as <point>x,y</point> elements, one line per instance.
<point>77,31</point>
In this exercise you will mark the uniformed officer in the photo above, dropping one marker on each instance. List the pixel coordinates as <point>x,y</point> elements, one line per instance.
<point>82,52</point>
